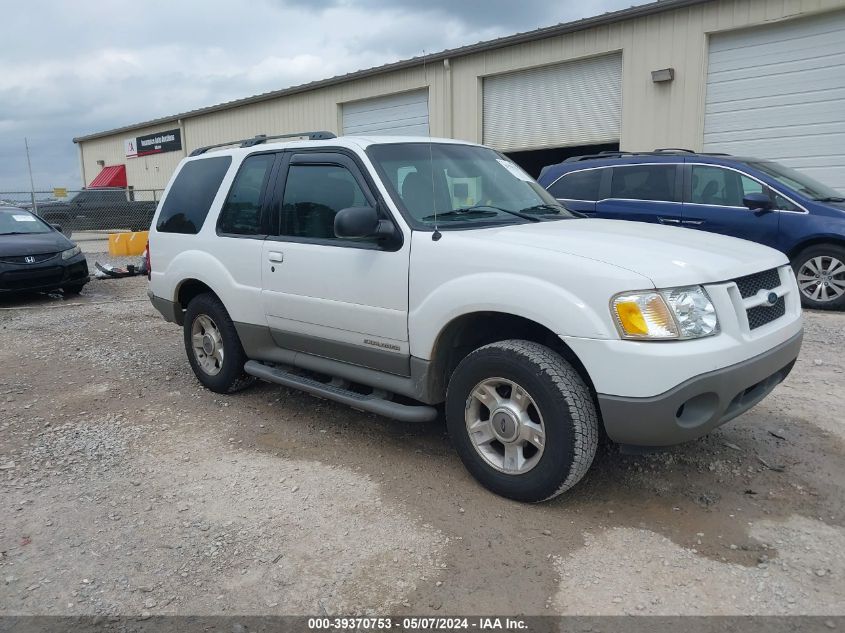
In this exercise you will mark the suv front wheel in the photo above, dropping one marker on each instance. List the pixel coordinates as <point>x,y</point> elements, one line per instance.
<point>213,347</point>
<point>522,420</point>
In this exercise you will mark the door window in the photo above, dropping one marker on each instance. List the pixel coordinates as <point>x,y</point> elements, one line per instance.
<point>717,186</point>
<point>644,182</point>
<point>313,196</point>
<point>578,185</point>
<point>241,213</point>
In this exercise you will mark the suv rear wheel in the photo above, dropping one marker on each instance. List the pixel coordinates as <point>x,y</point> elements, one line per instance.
<point>522,420</point>
<point>213,347</point>
<point>820,271</point>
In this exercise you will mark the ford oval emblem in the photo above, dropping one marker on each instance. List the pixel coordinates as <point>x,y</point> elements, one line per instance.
<point>772,298</point>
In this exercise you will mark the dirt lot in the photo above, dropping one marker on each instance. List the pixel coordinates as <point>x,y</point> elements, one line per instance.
<point>126,488</point>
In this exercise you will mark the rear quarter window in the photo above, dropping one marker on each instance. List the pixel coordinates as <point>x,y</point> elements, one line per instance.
<point>578,185</point>
<point>187,203</point>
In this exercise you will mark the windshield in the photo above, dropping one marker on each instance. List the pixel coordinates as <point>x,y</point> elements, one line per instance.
<point>797,181</point>
<point>461,185</point>
<point>14,221</point>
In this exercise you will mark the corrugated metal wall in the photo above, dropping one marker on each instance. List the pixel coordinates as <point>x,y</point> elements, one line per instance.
<point>653,115</point>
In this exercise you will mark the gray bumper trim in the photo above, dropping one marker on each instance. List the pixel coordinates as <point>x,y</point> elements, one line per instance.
<point>699,404</point>
<point>169,310</point>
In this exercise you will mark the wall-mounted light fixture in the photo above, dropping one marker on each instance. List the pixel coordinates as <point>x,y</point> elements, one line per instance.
<point>664,74</point>
<point>101,163</point>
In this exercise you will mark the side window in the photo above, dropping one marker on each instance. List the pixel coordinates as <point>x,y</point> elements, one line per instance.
<point>749,185</point>
<point>716,186</point>
<point>241,213</point>
<point>644,182</point>
<point>313,196</point>
<point>578,185</point>
<point>187,203</point>
<point>782,204</point>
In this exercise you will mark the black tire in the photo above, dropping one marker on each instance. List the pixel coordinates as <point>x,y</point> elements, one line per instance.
<point>571,425</point>
<point>74,289</point>
<point>231,376</point>
<point>808,257</point>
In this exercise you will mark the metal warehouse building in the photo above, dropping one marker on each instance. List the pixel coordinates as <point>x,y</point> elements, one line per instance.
<point>750,77</point>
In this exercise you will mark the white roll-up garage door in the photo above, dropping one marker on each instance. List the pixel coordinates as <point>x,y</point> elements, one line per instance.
<point>404,114</point>
<point>574,103</point>
<point>777,92</point>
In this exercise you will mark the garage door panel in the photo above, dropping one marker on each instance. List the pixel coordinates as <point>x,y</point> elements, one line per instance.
<point>815,97</point>
<point>782,71</point>
<point>399,114</point>
<point>756,120</point>
<point>795,82</point>
<point>575,103</point>
<point>777,91</point>
<point>775,52</point>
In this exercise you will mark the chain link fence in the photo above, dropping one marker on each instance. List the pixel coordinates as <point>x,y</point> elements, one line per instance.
<point>90,213</point>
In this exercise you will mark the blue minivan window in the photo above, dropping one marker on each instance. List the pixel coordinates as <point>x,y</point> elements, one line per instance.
<point>643,182</point>
<point>579,185</point>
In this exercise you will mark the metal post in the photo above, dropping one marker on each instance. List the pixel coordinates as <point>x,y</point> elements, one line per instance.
<point>31,183</point>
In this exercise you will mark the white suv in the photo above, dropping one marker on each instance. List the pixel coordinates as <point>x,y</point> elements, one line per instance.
<point>396,274</point>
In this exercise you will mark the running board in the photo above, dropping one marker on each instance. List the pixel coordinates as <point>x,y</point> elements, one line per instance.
<point>371,403</point>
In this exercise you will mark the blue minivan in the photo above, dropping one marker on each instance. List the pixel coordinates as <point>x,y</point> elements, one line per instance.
<point>755,199</point>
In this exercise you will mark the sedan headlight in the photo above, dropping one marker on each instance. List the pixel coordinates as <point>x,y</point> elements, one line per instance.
<point>676,313</point>
<point>71,252</point>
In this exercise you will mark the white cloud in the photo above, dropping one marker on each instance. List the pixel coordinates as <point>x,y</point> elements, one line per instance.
<point>95,66</point>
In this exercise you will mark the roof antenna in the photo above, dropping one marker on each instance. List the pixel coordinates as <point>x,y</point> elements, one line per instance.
<point>436,235</point>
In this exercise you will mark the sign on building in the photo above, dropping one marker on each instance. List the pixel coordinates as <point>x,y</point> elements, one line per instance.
<point>59,192</point>
<point>130,146</point>
<point>169,141</point>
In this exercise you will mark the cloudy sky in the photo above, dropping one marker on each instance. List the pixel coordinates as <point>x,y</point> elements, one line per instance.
<point>72,68</point>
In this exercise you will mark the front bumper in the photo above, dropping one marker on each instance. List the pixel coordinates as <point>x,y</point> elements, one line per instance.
<point>49,275</point>
<point>700,404</point>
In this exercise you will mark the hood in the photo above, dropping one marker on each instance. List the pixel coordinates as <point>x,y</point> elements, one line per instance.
<point>33,244</point>
<point>669,256</point>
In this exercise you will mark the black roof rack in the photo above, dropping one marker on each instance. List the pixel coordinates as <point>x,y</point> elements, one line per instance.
<point>662,151</point>
<point>258,139</point>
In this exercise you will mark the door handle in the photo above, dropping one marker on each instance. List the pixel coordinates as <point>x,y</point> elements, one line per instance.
<point>693,222</point>
<point>276,256</point>
<point>669,221</point>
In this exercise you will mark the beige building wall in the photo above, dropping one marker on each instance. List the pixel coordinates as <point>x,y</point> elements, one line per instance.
<point>653,114</point>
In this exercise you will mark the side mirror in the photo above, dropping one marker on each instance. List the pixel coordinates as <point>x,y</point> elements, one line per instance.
<point>758,201</point>
<point>359,222</point>
<point>58,227</point>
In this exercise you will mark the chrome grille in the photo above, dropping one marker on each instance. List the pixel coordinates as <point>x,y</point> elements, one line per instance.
<point>750,285</point>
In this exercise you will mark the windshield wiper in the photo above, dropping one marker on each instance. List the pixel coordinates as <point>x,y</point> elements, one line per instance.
<point>16,233</point>
<point>479,208</point>
<point>555,209</point>
<point>829,199</point>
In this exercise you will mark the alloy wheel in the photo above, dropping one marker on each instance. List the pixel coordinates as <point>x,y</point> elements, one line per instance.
<point>207,344</point>
<point>822,278</point>
<point>505,426</point>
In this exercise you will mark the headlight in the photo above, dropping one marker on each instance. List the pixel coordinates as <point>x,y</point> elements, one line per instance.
<point>676,313</point>
<point>71,252</point>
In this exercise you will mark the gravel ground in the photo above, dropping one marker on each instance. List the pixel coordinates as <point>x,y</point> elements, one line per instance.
<point>128,489</point>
